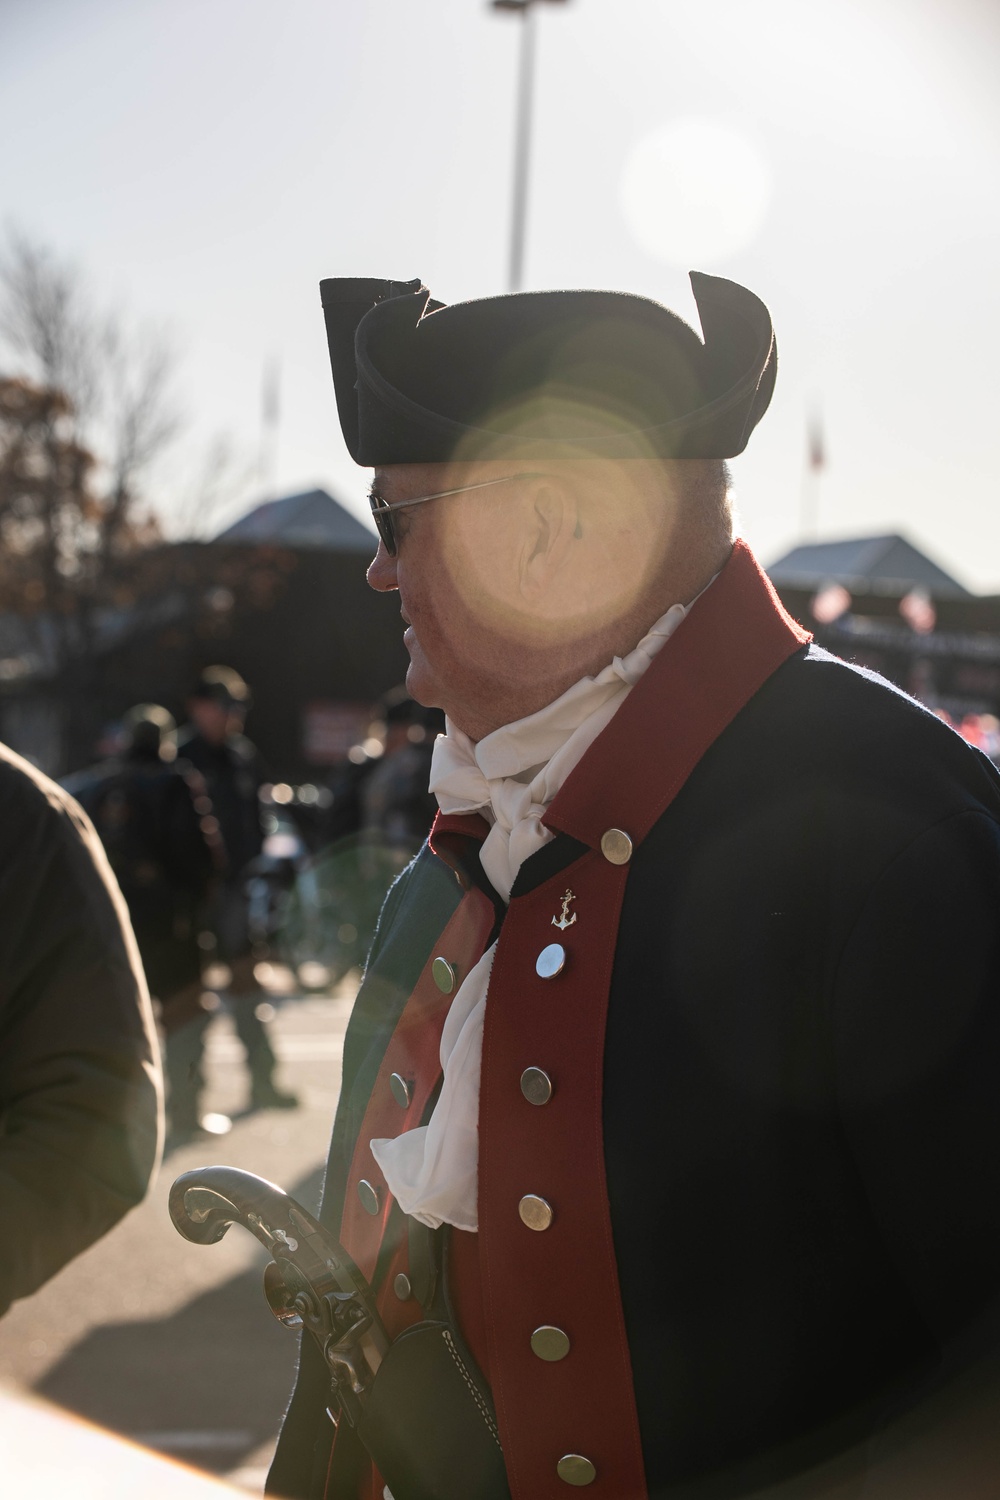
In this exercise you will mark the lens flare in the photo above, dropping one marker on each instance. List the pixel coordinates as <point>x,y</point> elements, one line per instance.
<point>695,192</point>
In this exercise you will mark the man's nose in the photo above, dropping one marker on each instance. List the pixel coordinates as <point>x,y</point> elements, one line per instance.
<point>382,570</point>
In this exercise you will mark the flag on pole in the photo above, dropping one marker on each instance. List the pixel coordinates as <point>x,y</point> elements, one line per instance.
<point>830,603</point>
<point>270,406</point>
<point>270,412</point>
<point>816,443</point>
<point>918,611</point>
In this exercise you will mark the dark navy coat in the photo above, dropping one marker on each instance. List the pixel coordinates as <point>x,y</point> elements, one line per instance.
<point>800,1089</point>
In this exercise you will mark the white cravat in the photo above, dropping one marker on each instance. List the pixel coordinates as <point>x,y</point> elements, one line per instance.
<point>510,777</point>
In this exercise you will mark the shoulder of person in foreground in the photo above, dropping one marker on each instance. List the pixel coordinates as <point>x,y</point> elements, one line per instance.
<point>80,1090</point>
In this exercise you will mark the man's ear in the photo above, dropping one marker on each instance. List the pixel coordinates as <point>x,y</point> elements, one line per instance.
<point>553,524</point>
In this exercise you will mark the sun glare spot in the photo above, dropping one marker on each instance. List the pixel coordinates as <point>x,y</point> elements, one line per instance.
<point>694,192</point>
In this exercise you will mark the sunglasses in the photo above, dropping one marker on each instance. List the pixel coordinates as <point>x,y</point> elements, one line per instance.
<point>383,512</point>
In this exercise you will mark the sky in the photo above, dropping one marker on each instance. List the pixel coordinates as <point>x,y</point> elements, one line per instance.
<point>207,162</point>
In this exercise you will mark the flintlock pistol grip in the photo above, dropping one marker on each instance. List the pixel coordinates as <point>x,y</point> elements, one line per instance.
<point>312,1283</point>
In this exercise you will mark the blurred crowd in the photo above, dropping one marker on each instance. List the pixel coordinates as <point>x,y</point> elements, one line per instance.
<point>981,730</point>
<point>239,887</point>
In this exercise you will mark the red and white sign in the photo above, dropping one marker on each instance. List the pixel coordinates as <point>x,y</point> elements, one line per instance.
<point>330,727</point>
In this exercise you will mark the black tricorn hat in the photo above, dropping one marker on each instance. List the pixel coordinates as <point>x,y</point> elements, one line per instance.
<point>545,374</point>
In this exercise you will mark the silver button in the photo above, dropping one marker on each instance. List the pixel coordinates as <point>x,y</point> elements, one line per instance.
<point>400,1090</point>
<point>444,975</point>
<point>535,1212</point>
<point>550,1343</point>
<point>369,1197</point>
<point>616,847</point>
<point>551,961</point>
<point>536,1085</point>
<point>401,1286</point>
<point>575,1469</point>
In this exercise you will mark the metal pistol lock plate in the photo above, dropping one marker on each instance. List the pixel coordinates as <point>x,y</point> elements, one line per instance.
<point>311,1281</point>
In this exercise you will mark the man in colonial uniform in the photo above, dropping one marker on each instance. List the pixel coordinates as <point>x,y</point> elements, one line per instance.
<point>672,1083</point>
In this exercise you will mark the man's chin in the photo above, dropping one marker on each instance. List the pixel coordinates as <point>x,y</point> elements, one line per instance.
<point>420,685</point>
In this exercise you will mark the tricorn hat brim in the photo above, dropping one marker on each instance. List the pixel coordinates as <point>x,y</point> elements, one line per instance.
<point>542,373</point>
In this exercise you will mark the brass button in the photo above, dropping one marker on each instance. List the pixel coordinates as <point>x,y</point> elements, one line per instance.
<point>550,1343</point>
<point>444,975</point>
<point>401,1286</point>
<point>536,1085</point>
<point>400,1090</point>
<point>535,1212</point>
<point>369,1197</point>
<point>617,849</point>
<point>551,961</point>
<point>575,1469</point>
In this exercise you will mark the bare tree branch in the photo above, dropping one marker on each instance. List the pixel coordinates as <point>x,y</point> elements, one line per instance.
<point>141,417</point>
<point>81,424</point>
<point>86,410</point>
<point>46,319</point>
<point>223,475</point>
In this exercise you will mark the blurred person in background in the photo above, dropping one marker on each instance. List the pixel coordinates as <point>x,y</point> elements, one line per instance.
<point>396,807</point>
<point>150,812</point>
<point>379,814</point>
<point>80,1093</point>
<point>231,772</point>
<point>143,809</point>
<point>379,794</point>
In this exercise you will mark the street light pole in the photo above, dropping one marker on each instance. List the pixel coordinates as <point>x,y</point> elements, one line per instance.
<point>522,134</point>
<point>522,148</point>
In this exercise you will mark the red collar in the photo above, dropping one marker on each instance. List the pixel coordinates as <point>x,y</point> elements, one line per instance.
<point>736,635</point>
<point>451,827</point>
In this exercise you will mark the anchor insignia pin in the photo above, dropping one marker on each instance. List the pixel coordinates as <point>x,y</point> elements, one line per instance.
<point>564,920</point>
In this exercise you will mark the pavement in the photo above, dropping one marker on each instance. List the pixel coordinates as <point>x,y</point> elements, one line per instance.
<point>48,1455</point>
<point>170,1344</point>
